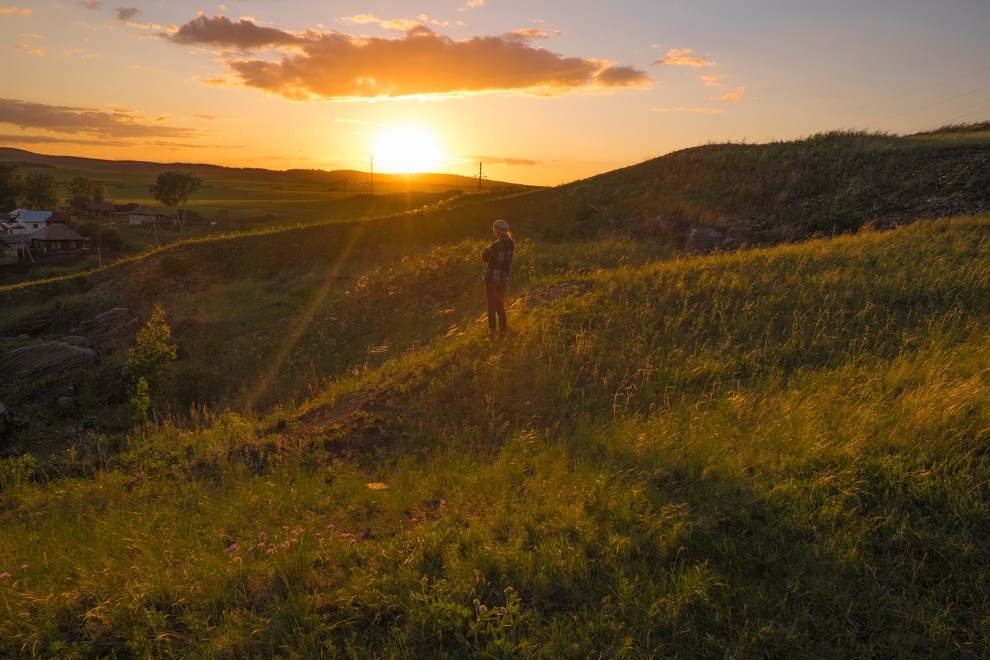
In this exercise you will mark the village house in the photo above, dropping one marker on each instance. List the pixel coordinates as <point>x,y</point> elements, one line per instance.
<point>56,238</point>
<point>24,224</point>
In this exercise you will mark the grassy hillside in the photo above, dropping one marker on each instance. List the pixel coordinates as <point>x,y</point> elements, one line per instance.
<point>779,452</point>
<point>768,452</point>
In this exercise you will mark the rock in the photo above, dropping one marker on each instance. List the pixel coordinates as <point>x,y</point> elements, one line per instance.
<point>66,405</point>
<point>704,240</point>
<point>113,324</point>
<point>76,340</point>
<point>42,360</point>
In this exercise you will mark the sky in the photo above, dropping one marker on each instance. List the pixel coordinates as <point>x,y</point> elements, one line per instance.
<point>540,92</point>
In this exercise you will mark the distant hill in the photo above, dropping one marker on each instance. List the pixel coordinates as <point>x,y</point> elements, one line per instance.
<point>96,165</point>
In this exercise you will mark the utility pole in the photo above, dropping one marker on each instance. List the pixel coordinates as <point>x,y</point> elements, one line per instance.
<point>371,185</point>
<point>480,176</point>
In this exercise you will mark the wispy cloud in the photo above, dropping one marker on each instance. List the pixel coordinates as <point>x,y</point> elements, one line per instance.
<point>682,57</point>
<point>698,111</point>
<point>495,160</point>
<point>335,66</point>
<point>734,95</point>
<point>714,80</point>
<point>92,5</point>
<point>471,4</point>
<point>31,50</point>
<point>90,122</point>
<point>16,11</point>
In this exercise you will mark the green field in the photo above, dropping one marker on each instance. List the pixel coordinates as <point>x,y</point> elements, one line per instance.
<point>774,451</point>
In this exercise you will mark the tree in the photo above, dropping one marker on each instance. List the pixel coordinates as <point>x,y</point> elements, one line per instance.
<point>40,192</point>
<point>174,188</point>
<point>151,359</point>
<point>11,186</point>
<point>82,190</point>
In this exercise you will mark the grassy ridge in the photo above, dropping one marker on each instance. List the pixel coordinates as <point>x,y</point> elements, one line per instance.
<point>772,453</point>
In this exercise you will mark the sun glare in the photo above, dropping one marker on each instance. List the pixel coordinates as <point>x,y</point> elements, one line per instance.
<point>402,149</point>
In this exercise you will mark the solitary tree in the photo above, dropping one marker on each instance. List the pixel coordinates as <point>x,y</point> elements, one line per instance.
<point>173,189</point>
<point>150,361</point>
<point>40,191</point>
<point>11,186</point>
<point>82,190</point>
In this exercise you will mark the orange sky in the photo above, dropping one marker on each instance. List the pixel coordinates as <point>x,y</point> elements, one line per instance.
<point>541,92</point>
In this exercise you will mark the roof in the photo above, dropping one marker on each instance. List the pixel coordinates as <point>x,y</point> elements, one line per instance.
<point>56,233</point>
<point>5,244</point>
<point>32,216</point>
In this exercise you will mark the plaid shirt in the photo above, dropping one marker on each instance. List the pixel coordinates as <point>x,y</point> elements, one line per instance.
<point>498,256</point>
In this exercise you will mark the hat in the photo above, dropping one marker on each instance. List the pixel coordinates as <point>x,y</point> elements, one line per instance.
<point>501,226</point>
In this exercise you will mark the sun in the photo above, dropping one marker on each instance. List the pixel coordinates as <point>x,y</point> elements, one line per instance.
<point>406,149</point>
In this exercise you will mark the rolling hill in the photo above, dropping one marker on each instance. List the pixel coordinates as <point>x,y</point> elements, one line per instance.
<point>772,451</point>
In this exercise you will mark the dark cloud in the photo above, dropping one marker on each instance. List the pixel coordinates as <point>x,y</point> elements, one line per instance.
<point>221,31</point>
<point>86,121</point>
<point>126,14</point>
<point>331,65</point>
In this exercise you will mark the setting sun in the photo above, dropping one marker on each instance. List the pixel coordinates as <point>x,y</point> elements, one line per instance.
<point>406,148</point>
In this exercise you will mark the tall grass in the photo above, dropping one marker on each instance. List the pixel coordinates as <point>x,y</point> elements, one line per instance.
<point>780,453</point>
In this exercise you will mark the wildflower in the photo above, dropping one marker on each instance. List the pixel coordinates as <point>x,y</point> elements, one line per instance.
<point>330,526</point>
<point>353,540</point>
<point>261,544</point>
<point>262,535</point>
<point>237,559</point>
<point>346,535</point>
<point>414,519</point>
<point>4,575</point>
<point>317,534</point>
<point>443,503</point>
<point>231,547</point>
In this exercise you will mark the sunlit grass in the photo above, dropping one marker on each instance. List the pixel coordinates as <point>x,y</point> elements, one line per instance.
<point>779,452</point>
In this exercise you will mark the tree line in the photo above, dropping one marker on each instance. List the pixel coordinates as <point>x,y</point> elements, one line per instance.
<point>40,190</point>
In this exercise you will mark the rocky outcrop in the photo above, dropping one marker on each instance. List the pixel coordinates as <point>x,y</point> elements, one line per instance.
<point>106,327</point>
<point>51,358</point>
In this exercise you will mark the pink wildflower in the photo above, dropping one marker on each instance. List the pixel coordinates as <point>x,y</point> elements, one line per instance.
<point>317,534</point>
<point>330,526</point>
<point>414,519</point>
<point>237,559</point>
<point>231,547</point>
<point>262,535</point>
<point>443,503</point>
<point>4,575</point>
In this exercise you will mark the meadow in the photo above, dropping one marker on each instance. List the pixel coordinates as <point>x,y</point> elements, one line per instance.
<point>776,452</point>
<point>778,449</point>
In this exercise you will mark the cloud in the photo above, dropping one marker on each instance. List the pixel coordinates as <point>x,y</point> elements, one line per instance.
<point>532,33</point>
<point>714,81</point>
<point>118,124</point>
<point>734,95</point>
<point>336,66</point>
<point>92,5</point>
<point>221,31</point>
<point>698,111</point>
<point>30,50</point>
<point>127,14</point>
<point>5,11</point>
<point>680,57</point>
<point>471,4</point>
<point>492,160</point>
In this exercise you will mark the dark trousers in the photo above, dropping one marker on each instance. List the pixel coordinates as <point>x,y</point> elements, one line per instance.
<point>496,304</point>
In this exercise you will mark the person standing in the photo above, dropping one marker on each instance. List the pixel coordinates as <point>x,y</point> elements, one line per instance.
<point>498,257</point>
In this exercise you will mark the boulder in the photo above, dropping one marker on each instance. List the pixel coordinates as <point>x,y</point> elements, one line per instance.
<point>113,324</point>
<point>76,340</point>
<point>704,240</point>
<point>43,360</point>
